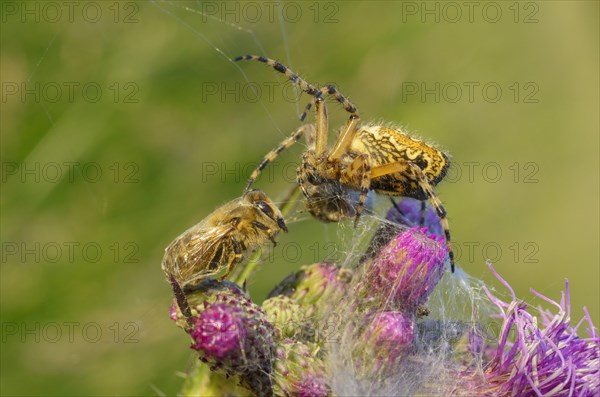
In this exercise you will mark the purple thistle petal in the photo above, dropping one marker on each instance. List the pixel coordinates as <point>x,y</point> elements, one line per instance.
<point>503,281</point>
<point>547,358</point>
<point>218,331</point>
<point>173,311</point>
<point>312,386</point>
<point>591,330</point>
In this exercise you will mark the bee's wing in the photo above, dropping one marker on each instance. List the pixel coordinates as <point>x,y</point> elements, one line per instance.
<point>190,254</point>
<point>206,240</point>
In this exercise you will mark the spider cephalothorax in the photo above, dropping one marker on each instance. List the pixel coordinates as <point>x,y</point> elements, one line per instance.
<point>328,201</point>
<point>365,157</point>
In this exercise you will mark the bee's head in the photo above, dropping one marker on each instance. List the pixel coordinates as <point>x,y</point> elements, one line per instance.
<point>266,207</point>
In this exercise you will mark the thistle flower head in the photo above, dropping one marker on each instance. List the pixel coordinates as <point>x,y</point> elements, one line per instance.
<point>232,335</point>
<point>407,269</point>
<point>547,357</point>
<point>218,331</point>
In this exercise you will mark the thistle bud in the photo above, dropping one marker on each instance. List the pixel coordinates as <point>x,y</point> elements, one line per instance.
<point>287,317</point>
<point>299,371</point>
<point>315,286</point>
<point>406,270</point>
<point>380,345</point>
<point>389,334</point>
<point>403,215</point>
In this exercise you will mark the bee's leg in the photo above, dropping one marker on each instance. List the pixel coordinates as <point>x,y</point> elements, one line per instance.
<point>260,225</point>
<point>228,270</point>
<point>423,208</point>
<point>359,168</point>
<point>238,249</point>
<point>416,174</point>
<point>272,239</point>
<point>238,256</point>
<point>181,300</point>
<point>267,229</point>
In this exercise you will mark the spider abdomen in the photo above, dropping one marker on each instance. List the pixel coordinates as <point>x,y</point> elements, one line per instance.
<point>385,145</point>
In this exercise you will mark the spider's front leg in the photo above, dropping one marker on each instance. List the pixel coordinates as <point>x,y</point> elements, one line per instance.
<point>332,91</point>
<point>301,181</point>
<point>422,217</point>
<point>272,155</point>
<point>322,126</point>
<point>312,159</point>
<point>348,132</point>
<point>307,171</point>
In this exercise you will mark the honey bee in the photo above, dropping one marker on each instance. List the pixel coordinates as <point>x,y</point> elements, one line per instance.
<point>219,241</point>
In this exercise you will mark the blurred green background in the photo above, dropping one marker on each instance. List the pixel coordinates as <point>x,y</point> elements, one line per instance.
<point>124,123</point>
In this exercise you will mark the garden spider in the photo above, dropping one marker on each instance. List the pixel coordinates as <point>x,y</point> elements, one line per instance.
<point>366,157</point>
